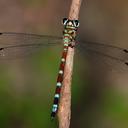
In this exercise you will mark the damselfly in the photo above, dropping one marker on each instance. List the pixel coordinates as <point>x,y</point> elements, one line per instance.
<point>11,45</point>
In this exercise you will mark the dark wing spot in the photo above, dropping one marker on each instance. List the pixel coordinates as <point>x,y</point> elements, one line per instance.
<point>126,63</point>
<point>1,33</point>
<point>1,49</point>
<point>125,50</point>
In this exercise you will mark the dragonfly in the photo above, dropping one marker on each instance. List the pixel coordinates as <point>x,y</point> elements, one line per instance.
<point>12,44</point>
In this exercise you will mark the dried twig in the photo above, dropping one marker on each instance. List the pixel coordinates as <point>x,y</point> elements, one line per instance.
<point>64,112</point>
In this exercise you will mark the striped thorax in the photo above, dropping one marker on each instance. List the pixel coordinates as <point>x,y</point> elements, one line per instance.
<point>69,33</point>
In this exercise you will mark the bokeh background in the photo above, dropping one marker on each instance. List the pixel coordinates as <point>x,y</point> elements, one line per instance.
<point>99,88</point>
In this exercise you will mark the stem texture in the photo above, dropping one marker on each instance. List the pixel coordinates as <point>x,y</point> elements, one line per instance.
<point>64,112</point>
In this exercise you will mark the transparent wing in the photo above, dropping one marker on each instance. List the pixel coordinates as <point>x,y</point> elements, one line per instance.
<point>102,53</point>
<point>19,44</point>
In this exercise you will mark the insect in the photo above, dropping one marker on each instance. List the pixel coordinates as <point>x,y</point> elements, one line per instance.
<point>11,45</point>
<point>69,35</point>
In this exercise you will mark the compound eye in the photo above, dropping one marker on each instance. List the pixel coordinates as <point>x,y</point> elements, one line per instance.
<point>76,23</point>
<point>65,20</point>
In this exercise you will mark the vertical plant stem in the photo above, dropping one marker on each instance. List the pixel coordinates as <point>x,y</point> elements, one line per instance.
<point>64,112</point>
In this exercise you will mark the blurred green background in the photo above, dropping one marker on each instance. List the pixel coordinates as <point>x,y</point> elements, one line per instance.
<point>27,85</point>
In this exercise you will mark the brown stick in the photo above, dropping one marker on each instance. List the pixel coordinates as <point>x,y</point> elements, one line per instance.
<point>64,112</point>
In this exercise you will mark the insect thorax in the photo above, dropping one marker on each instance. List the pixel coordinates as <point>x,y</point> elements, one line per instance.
<point>70,28</point>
